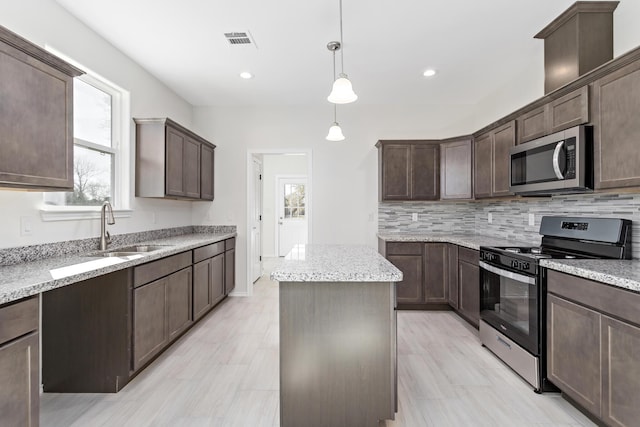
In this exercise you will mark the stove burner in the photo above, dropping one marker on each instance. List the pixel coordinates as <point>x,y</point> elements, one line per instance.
<point>536,250</point>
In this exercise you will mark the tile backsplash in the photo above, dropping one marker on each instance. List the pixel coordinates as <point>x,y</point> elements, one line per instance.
<point>509,218</point>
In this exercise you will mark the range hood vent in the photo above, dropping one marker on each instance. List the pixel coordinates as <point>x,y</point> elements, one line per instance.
<point>577,41</point>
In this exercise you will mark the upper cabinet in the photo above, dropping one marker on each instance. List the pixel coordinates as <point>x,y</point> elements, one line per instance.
<point>616,108</point>
<point>456,169</point>
<point>492,161</point>
<point>408,170</point>
<point>562,113</point>
<point>36,116</point>
<point>172,161</point>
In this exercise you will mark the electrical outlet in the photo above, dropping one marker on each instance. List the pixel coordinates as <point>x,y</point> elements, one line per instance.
<point>490,218</point>
<point>26,225</point>
<point>414,216</point>
<point>532,219</point>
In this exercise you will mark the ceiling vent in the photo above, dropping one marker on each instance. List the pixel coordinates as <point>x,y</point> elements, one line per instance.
<point>240,38</point>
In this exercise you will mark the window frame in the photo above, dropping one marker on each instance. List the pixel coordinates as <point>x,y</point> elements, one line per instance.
<point>120,150</point>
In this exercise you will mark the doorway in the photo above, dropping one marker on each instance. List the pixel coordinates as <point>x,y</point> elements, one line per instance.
<point>264,209</point>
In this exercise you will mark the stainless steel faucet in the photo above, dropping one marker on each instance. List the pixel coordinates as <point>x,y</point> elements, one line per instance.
<point>105,237</point>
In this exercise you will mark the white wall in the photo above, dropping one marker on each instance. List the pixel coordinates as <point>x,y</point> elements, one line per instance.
<point>272,165</point>
<point>44,22</point>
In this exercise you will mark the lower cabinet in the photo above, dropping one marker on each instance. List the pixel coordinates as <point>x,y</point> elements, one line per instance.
<point>99,333</point>
<point>424,269</point>
<point>452,275</point>
<point>592,356</point>
<point>469,285</point>
<point>229,265</point>
<point>161,311</point>
<point>19,363</point>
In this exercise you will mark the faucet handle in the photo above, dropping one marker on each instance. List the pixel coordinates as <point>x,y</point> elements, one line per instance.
<point>108,236</point>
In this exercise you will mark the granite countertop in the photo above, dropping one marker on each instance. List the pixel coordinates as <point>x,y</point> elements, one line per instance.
<point>470,240</point>
<point>621,273</point>
<point>335,263</point>
<point>30,278</point>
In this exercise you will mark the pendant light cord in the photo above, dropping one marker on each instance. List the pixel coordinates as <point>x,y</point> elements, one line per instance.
<point>341,42</point>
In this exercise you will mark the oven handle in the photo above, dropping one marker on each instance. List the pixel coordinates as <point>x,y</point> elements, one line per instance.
<point>508,274</point>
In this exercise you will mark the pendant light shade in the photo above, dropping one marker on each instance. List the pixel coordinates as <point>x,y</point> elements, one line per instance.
<point>342,92</point>
<point>335,133</point>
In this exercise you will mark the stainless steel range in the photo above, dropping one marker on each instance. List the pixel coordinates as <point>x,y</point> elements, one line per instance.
<point>513,287</point>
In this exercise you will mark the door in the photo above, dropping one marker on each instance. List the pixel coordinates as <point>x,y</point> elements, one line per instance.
<point>292,213</point>
<point>256,222</point>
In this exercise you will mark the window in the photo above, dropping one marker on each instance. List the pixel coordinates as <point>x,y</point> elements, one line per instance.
<point>100,156</point>
<point>294,204</point>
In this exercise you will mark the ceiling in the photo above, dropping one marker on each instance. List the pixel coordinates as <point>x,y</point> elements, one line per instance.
<point>475,46</point>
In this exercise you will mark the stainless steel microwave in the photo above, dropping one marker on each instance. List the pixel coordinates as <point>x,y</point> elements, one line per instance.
<point>558,163</point>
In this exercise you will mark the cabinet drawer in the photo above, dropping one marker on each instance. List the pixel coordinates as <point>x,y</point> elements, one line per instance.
<point>208,251</point>
<point>404,248</point>
<point>468,255</point>
<point>154,270</point>
<point>19,318</point>
<point>230,244</point>
<point>602,297</point>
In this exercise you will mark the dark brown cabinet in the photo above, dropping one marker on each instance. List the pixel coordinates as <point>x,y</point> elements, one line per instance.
<point>19,363</point>
<point>161,312</point>
<point>229,265</point>
<point>115,324</point>
<point>408,170</point>
<point>208,278</point>
<point>207,156</point>
<point>492,161</point>
<point>593,342</point>
<point>452,274</point>
<point>36,116</point>
<point>162,309</point>
<point>616,109</point>
<point>424,270</point>
<point>172,161</point>
<point>562,113</point>
<point>456,169</point>
<point>469,285</point>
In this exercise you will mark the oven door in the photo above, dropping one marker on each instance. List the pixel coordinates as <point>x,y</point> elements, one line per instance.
<point>509,303</point>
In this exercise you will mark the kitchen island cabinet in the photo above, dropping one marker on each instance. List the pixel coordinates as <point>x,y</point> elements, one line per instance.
<point>19,363</point>
<point>593,342</point>
<point>337,336</point>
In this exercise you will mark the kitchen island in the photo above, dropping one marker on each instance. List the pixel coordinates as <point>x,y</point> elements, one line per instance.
<point>337,336</point>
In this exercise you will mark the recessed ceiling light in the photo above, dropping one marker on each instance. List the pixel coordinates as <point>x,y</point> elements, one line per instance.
<point>246,75</point>
<point>430,72</point>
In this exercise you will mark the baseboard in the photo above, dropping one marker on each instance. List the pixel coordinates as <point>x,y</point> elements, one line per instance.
<point>238,294</point>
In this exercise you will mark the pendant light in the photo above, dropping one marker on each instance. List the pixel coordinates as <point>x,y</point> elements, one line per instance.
<point>335,132</point>
<point>342,91</point>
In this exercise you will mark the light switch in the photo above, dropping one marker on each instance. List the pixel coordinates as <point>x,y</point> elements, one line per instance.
<point>490,218</point>
<point>26,225</point>
<point>532,219</point>
<point>414,217</point>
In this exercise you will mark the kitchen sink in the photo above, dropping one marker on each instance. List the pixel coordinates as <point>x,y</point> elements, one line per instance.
<point>128,251</point>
